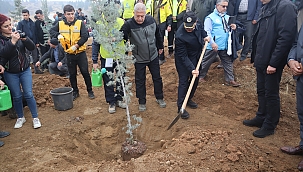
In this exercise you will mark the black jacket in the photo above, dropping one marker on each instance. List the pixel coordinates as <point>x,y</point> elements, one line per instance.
<point>50,54</point>
<point>39,32</point>
<point>275,34</point>
<point>12,57</point>
<point>28,27</point>
<point>187,53</point>
<point>236,46</point>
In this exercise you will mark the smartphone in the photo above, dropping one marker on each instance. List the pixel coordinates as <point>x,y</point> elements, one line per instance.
<point>231,20</point>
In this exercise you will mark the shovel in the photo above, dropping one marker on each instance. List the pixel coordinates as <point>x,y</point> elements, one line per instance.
<point>189,89</point>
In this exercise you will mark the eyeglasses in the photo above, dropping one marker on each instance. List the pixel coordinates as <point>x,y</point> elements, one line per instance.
<point>224,6</point>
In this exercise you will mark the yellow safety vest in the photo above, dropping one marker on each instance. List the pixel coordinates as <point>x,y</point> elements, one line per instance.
<point>128,8</point>
<point>71,36</point>
<point>165,9</point>
<point>179,7</point>
<point>103,52</point>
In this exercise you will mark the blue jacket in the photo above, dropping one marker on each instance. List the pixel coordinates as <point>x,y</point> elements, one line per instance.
<point>253,10</point>
<point>215,30</point>
<point>188,49</point>
<point>28,27</point>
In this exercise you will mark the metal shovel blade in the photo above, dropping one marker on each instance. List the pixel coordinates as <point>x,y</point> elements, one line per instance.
<point>176,119</point>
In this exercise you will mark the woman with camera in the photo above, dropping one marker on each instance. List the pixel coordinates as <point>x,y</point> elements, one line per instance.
<point>17,69</point>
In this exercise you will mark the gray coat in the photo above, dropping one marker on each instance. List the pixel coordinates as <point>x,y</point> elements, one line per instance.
<point>203,8</point>
<point>146,37</point>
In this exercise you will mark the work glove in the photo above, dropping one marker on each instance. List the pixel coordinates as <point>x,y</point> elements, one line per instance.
<point>60,37</point>
<point>74,48</point>
<point>71,50</point>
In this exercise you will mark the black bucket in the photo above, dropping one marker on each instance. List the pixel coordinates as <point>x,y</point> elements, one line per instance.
<point>63,98</point>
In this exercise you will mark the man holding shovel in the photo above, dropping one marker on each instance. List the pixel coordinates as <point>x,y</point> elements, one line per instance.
<point>188,48</point>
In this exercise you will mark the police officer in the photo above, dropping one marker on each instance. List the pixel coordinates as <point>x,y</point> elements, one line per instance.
<point>188,48</point>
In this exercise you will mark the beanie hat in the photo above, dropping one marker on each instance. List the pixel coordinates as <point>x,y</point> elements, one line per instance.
<point>54,41</point>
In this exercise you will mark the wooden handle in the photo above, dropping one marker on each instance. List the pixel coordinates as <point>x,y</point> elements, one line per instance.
<point>193,79</point>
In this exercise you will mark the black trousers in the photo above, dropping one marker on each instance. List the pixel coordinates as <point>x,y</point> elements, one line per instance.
<point>185,78</point>
<point>80,60</point>
<point>162,28</point>
<point>111,96</point>
<point>299,95</point>
<point>161,56</point>
<point>171,37</point>
<point>268,86</point>
<point>43,49</point>
<point>140,80</point>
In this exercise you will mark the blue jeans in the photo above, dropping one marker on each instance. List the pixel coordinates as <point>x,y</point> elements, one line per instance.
<point>13,81</point>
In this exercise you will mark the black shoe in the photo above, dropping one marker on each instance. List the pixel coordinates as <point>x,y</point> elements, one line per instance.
<point>1,143</point>
<point>3,134</point>
<point>253,123</point>
<point>263,132</point>
<point>4,113</point>
<point>75,95</point>
<point>192,104</point>
<point>38,72</point>
<point>242,58</point>
<point>184,115</point>
<point>91,95</point>
<point>12,113</point>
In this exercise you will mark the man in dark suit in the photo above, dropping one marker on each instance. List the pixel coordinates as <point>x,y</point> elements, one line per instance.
<point>272,42</point>
<point>295,58</point>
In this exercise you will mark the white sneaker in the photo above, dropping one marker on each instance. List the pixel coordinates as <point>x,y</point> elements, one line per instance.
<point>20,122</point>
<point>112,108</point>
<point>36,123</point>
<point>121,104</point>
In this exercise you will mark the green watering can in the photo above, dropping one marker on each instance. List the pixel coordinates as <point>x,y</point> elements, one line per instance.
<point>5,99</point>
<point>96,78</point>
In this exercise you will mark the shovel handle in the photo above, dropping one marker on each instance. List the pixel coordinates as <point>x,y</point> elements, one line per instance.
<point>193,79</point>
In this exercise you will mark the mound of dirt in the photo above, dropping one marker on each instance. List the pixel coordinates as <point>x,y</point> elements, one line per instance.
<point>88,138</point>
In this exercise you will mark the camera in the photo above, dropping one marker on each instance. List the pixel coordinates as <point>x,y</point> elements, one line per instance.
<point>22,34</point>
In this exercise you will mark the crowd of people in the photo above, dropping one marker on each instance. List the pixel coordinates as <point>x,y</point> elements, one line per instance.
<point>266,31</point>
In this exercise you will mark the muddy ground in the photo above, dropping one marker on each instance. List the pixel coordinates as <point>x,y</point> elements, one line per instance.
<point>88,138</point>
